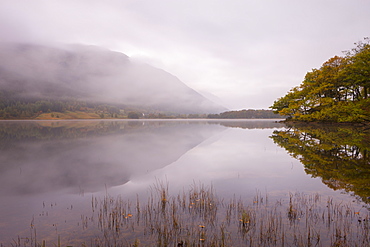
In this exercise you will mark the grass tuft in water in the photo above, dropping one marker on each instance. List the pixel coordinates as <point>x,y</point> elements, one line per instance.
<point>197,217</point>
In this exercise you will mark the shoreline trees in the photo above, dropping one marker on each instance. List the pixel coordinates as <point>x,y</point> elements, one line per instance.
<point>244,114</point>
<point>339,91</point>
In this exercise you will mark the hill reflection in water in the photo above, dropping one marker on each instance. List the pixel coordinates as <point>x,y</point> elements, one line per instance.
<point>40,156</point>
<point>51,170</point>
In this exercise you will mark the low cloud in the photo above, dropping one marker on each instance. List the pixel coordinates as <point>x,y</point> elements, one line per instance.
<point>209,45</point>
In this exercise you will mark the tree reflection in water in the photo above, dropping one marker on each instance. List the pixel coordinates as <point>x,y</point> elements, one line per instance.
<point>338,154</point>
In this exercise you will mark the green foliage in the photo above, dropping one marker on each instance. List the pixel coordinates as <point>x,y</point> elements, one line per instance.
<point>133,115</point>
<point>245,114</point>
<point>337,92</point>
<point>23,108</point>
<point>27,109</point>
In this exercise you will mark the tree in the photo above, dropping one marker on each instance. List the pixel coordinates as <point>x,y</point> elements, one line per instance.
<point>133,115</point>
<point>244,114</point>
<point>357,71</point>
<point>336,92</point>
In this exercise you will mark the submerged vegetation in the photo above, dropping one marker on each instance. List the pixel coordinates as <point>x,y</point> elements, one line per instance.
<point>198,217</point>
<point>337,92</point>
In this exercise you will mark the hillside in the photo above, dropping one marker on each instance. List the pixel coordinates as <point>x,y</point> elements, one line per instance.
<point>245,114</point>
<point>30,73</point>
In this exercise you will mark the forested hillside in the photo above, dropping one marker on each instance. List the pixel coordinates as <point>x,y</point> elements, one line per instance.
<point>36,79</point>
<point>245,114</point>
<point>337,92</point>
<point>25,108</point>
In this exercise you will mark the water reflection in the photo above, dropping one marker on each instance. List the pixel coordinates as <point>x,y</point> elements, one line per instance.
<point>45,165</point>
<point>47,156</point>
<point>249,124</point>
<point>44,156</point>
<point>339,155</point>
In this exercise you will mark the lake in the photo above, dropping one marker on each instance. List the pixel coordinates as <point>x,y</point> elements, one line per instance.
<point>54,173</point>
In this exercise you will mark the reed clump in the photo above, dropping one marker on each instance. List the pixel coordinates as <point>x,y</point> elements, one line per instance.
<point>198,217</point>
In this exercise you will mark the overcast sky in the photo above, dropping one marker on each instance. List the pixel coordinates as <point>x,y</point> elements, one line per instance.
<point>246,52</point>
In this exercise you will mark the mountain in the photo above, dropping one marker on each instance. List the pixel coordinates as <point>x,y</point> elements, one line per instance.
<point>94,74</point>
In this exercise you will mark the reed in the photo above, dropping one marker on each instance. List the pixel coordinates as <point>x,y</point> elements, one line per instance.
<point>198,217</point>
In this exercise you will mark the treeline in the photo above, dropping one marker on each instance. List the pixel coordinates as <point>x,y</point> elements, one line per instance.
<point>21,108</point>
<point>245,114</point>
<point>31,108</point>
<point>337,92</point>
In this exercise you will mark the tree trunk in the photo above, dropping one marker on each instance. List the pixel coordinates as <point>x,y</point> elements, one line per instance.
<point>365,92</point>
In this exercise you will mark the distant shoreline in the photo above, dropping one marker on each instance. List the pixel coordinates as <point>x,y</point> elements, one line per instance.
<point>152,119</point>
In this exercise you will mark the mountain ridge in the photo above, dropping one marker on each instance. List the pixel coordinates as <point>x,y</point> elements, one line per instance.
<point>94,74</point>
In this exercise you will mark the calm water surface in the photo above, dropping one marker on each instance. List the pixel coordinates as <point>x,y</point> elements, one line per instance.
<point>50,170</point>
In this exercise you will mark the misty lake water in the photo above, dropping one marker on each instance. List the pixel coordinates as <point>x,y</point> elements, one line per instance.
<point>51,170</point>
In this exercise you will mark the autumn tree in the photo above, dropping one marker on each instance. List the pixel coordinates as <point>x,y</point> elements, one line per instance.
<point>336,92</point>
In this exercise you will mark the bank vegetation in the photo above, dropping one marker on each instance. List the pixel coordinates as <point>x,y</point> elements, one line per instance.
<point>336,92</point>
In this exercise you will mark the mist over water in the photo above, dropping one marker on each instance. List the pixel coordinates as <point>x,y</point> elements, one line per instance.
<point>49,170</point>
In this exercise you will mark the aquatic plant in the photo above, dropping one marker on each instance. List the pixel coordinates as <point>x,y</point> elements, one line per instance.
<point>198,217</point>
